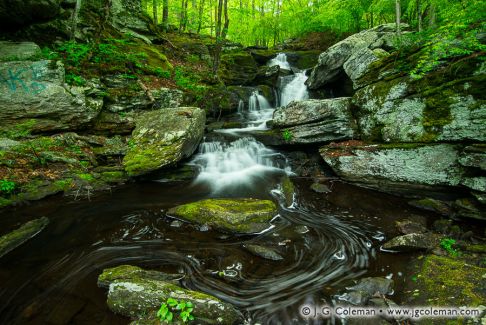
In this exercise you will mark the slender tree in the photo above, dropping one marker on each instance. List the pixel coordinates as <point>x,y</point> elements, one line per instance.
<point>165,15</point>
<point>155,5</point>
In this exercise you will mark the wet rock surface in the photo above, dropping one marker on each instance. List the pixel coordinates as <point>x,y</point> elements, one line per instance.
<point>138,294</point>
<point>163,137</point>
<point>413,242</point>
<point>233,215</point>
<point>12,240</point>
<point>316,121</point>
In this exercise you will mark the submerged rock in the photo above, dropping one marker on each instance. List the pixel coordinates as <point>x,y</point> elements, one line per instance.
<point>264,252</point>
<point>233,215</point>
<point>288,190</point>
<point>434,205</point>
<point>374,286</point>
<point>320,188</point>
<point>138,294</point>
<point>407,169</point>
<point>314,121</point>
<point>163,137</point>
<point>410,227</point>
<point>413,242</point>
<point>19,236</point>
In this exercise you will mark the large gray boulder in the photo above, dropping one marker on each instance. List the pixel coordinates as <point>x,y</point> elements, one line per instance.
<point>314,121</point>
<point>404,110</point>
<point>332,62</point>
<point>34,92</point>
<point>163,137</point>
<point>138,294</point>
<point>22,12</point>
<point>397,168</point>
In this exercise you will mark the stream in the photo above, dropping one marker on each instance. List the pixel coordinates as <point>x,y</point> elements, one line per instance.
<point>327,240</point>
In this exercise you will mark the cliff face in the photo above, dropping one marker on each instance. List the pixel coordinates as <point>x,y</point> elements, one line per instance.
<point>417,136</point>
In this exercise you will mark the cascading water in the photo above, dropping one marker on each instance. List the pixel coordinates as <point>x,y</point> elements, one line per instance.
<point>281,61</point>
<point>241,163</point>
<point>245,161</point>
<point>293,88</point>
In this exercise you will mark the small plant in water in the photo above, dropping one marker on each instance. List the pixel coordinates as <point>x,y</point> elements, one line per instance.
<point>287,135</point>
<point>447,243</point>
<point>171,306</point>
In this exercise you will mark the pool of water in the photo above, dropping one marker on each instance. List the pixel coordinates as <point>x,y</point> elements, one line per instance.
<point>327,240</point>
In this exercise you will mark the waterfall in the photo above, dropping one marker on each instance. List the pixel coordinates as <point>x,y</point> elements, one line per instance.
<point>293,89</point>
<point>240,163</point>
<point>241,106</point>
<point>281,61</point>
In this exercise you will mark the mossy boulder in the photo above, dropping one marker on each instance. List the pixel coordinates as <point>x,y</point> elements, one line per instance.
<point>12,240</point>
<point>303,60</point>
<point>162,138</point>
<point>446,281</point>
<point>138,294</point>
<point>231,215</point>
<point>237,68</point>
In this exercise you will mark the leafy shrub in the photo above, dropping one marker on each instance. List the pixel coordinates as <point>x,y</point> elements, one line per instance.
<point>167,310</point>
<point>7,187</point>
<point>447,243</point>
<point>287,135</point>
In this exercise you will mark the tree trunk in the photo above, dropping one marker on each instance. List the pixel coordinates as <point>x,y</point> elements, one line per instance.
<point>200,16</point>
<point>419,15</point>
<point>398,14</point>
<point>155,4</point>
<point>165,15</point>
<point>220,33</point>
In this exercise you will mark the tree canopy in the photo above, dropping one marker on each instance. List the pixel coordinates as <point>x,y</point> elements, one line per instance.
<point>267,22</point>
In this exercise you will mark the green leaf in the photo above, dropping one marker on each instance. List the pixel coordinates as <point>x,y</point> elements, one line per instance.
<point>170,316</point>
<point>172,302</point>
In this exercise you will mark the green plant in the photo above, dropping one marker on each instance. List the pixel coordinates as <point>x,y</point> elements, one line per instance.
<point>167,310</point>
<point>287,135</point>
<point>447,243</point>
<point>74,79</point>
<point>7,187</point>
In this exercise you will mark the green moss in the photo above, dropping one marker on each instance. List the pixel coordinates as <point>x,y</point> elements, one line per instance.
<point>17,237</point>
<point>451,282</point>
<point>478,248</point>
<point>19,130</point>
<point>5,202</point>
<point>113,177</point>
<point>288,190</point>
<point>86,177</point>
<point>239,215</point>
<point>140,159</point>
